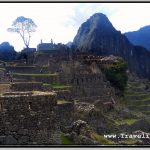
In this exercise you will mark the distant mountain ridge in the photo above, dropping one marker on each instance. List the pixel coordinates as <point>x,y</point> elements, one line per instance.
<point>98,36</point>
<point>140,37</point>
<point>7,52</point>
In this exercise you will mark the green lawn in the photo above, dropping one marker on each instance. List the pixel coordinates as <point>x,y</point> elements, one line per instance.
<point>66,141</point>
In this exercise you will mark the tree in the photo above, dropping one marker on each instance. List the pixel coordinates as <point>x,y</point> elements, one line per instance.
<point>24,27</point>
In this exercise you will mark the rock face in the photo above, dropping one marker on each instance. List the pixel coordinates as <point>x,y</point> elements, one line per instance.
<point>98,36</point>
<point>140,37</point>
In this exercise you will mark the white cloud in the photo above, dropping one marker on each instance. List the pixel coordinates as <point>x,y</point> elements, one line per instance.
<point>130,16</point>
<point>61,21</point>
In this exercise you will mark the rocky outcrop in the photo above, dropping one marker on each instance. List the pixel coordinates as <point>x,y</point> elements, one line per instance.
<point>98,36</point>
<point>79,133</point>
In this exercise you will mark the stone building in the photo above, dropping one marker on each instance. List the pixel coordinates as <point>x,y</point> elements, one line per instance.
<point>27,118</point>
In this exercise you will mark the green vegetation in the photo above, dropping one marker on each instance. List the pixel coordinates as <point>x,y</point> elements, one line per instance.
<point>100,139</point>
<point>116,74</point>
<point>66,140</point>
<point>126,121</point>
<point>59,86</point>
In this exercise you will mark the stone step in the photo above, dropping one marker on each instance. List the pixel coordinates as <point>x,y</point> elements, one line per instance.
<point>139,102</point>
<point>135,89</point>
<point>140,108</point>
<point>146,113</point>
<point>27,69</point>
<point>137,97</point>
<point>45,78</point>
<point>134,83</point>
<point>135,92</point>
<point>18,80</point>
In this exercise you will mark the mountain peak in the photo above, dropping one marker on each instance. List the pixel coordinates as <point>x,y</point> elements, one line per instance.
<point>101,15</point>
<point>100,20</point>
<point>96,28</point>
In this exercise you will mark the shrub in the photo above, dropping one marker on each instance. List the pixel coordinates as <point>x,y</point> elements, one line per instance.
<point>116,74</point>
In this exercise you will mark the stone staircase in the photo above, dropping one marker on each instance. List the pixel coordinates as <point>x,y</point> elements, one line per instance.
<point>31,78</point>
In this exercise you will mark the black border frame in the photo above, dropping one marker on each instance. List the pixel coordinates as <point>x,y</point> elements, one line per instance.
<point>75,146</point>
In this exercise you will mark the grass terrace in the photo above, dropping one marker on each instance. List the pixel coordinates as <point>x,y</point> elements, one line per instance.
<point>126,121</point>
<point>59,86</point>
<point>66,140</point>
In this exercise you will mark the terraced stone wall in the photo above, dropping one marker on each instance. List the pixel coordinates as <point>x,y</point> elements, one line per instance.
<point>50,79</point>
<point>65,113</point>
<point>26,86</point>
<point>91,85</point>
<point>27,69</point>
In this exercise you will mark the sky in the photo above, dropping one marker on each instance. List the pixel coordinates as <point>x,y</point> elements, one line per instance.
<point>61,21</point>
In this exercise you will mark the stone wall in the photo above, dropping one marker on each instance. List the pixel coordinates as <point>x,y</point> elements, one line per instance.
<point>65,78</point>
<point>91,87</point>
<point>50,79</point>
<point>27,118</point>
<point>64,94</point>
<point>27,69</point>
<point>26,86</point>
<point>4,88</point>
<point>65,113</point>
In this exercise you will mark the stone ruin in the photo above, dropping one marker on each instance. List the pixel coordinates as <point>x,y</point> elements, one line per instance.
<point>33,115</point>
<point>27,118</point>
